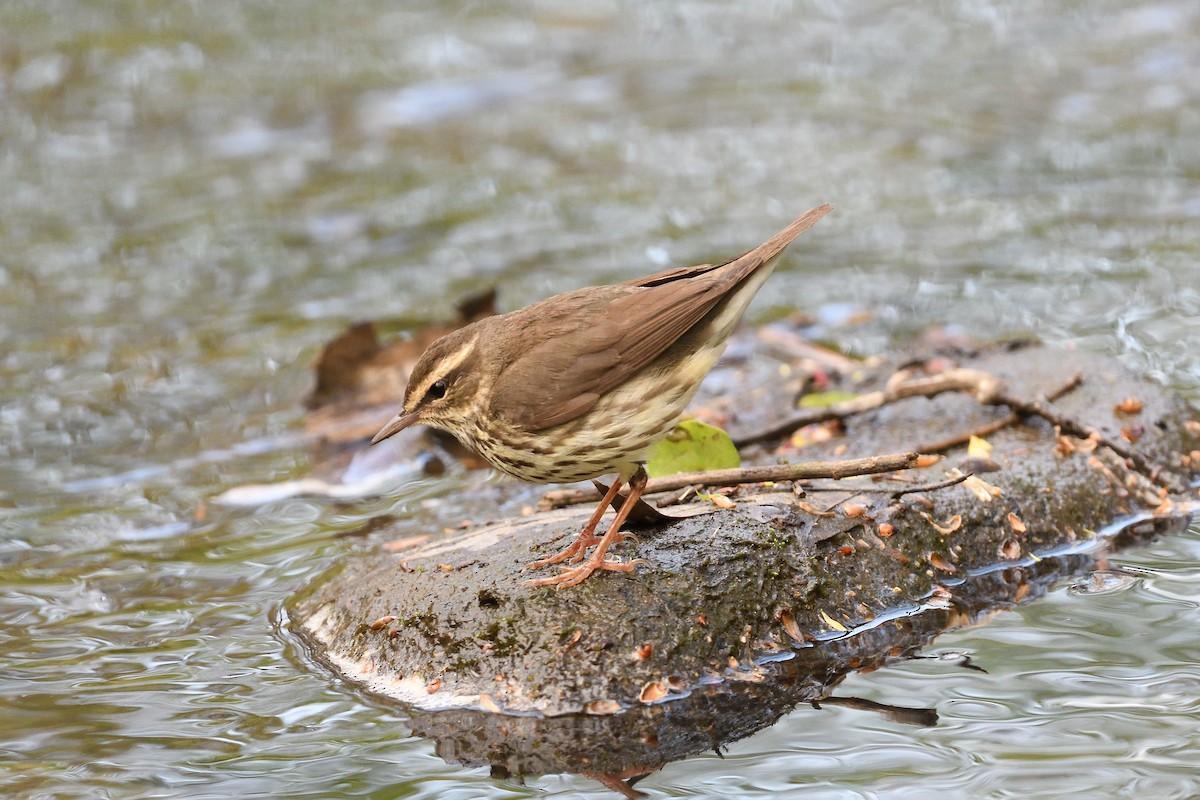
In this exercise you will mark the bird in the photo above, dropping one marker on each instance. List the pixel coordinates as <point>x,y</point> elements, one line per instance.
<point>581,384</point>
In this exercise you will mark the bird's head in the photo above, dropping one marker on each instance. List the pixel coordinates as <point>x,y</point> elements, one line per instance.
<point>442,390</point>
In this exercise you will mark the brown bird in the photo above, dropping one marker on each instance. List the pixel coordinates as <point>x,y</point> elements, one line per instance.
<point>582,384</point>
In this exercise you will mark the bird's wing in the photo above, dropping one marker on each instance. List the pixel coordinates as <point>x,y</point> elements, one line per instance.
<point>616,331</point>
<point>597,338</point>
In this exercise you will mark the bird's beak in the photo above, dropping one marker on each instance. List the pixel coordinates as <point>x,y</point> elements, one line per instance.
<point>397,424</point>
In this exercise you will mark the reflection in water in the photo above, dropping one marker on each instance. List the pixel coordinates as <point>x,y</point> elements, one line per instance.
<point>621,748</point>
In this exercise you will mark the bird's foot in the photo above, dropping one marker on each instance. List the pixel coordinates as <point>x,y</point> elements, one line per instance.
<point>575,551</point>
<point>573,576</point>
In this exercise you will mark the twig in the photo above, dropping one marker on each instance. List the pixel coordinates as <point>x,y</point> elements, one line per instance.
<point>895,493</point>
<point>983,431</point>
<point>1073,427</point>
<point>980,383</point>
<point>929,487</point>
<point>729,477</point>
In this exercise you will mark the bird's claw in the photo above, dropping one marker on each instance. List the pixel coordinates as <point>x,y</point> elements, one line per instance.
<point>573,576</point>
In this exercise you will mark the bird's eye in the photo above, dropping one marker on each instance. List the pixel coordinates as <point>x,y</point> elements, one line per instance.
<point>437,391</point>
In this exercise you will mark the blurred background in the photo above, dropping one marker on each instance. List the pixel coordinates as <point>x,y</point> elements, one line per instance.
<point>195,196</point>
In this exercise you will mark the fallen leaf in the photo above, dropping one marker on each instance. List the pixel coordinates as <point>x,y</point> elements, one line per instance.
<point>811,509</point>
<point>719,500</point>
<point>380,624</point>
<point>575,637</point>
<point>652,692</point>
<point>854,510</point>
<point>643,651</point>
<point>1015,523</point>
<point>433,686</point>
<point>1132,433</point>
<point>1011,549</point>
<point>927,460</point>
<point>602,707</point>
<point>951,525</point>
<point>939,562</point>
<point>788,620</point>
<point>821,399</point>
<point>488,704</point>
<point>1063,446</point>
<point>445,567</point>
<point>982,490</point>
<point>1130,405</point>
<point>886,529</point>
<point>692,447</point>
<point>831,622</point>
<point>979,448</point>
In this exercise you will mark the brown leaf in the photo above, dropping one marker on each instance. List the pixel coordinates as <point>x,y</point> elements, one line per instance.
<point>721,501</point>
<point>434,685</point>
<point>575,637</point>
<point>1130,405</point>
<point>652,692</point>
<point>1010,549</point>
<point>808,507</point>
<point>788,620</point>
<point>1015,523</point>
<point>380,624</point>
<point>886,529</point>
<point>488,704</point>
<point>602,707</point>
<point>982,490</point>
<point>939,562</point>
<point>1132,433</point>
<point>643,651</point>
<point>952,524</point>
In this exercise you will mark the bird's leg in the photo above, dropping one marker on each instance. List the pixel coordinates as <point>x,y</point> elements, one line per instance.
<point>570,576</point>
<point>587,536</point>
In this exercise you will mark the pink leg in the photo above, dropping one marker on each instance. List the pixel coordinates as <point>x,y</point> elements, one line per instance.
<point>570,576</point>
<point>586,537</point>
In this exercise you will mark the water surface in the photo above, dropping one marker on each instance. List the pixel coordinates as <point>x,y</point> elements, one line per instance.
<point>196,196</point>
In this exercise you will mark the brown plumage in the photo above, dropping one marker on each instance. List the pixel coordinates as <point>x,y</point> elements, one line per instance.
<point>581,384</point>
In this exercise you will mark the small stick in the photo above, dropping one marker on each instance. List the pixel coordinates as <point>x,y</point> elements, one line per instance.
<point>895,493</point>
<point>983,385</point>
<point>730,477</point>
<point>984,431</point>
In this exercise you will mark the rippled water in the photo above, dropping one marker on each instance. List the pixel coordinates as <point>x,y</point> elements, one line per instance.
<point>195,196</point>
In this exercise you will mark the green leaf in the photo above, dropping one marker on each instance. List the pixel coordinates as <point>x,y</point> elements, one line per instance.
<point>820,399</point>
<point>692,447</point>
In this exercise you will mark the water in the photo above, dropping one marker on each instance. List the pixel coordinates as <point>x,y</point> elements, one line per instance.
<point>196,196</point>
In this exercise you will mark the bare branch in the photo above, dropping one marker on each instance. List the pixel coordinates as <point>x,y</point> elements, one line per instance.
<point>730,477</point>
